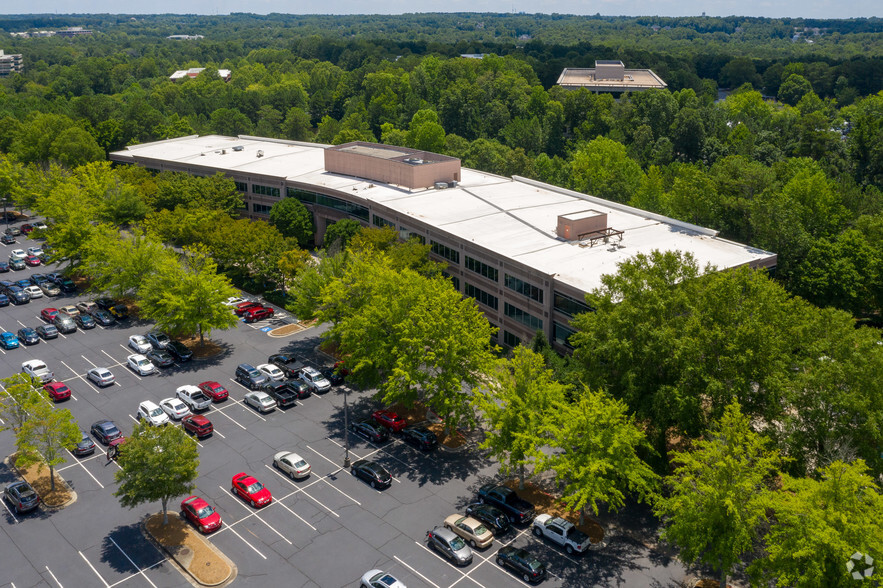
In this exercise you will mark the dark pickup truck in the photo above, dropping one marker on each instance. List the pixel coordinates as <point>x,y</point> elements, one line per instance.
<point>284,394</point>
<point>288,363</point>
<point>518,509</point>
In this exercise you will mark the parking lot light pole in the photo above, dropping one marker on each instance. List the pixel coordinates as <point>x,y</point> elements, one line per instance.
<point>346,430</point>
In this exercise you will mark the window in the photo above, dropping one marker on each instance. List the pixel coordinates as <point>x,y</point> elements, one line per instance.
<point>480,295</point>
<point>481,268</point>
<point>308,197</point>
<point>523,317</point>
<point>242,186</point>
<point>260,208</point>
<point>510,340</point>
<point>561,334</point>
<point>382,222</point>
<point>265,190</point>
<point>524,288</point>
<point>451,255</point>
<point>406,235</point>
<point>454,280</point>
<point>569,306</point>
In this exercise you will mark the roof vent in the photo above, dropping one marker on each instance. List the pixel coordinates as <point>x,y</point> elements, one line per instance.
<point>260,153</point>
<point>441,185</point>
<point>238,148</point>
<point>452,184</point>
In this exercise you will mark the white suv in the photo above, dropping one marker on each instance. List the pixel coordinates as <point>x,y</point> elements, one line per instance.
<point>315,380</point>
<point>37,370</point>
<point>152,413</point>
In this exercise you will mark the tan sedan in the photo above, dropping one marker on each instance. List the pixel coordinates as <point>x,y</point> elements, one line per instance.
<point>473,531</point>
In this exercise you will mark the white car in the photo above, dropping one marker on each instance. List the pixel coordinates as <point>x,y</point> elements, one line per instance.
<point>40,225</point>
<point>273,373</point>
<point>35,251</point>
<point>315,380</point>
<point>17,254</point>
<point>34,292</point>
<point>174,408</point>
<point>292,464</point>
<point>193,397</point>
<point>153,414</point>
<point>261,401</point>
<point>140,343</point>
<point>234,300</point>
<point>379,579</point>
<point>101,376</point>
<point>141,365</point>
<point>37,370</point>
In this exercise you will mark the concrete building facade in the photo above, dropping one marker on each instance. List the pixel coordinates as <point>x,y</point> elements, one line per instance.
<point>10,63</point>
<point>526,251</point>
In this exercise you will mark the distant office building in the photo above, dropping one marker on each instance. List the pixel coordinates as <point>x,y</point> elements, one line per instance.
<point>191,73</point>
<point>185,37</point>
<point>9,64</point>
<point>472,55</point>
<point>526,251</point>
<point>610,76</point>
<point>73,32</point>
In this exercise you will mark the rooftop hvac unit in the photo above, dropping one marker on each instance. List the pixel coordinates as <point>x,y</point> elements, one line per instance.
<point>452,184</point>
<point>441,185</point>
<point>260,153</point>
<point>238,148</point>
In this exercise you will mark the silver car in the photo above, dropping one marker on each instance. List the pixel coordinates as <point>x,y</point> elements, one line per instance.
<point>450,545</point>
<point>50,289</point>
<point>101,376</point>
<point>260,401</point>
<point>292,464</point>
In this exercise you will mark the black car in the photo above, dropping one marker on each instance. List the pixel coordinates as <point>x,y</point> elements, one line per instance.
<point>17,295</point>
<point>420,437</point>
<point>179,351</point>
<point>28,336</point>
<point>518,509</point>
<point>370,430</point>
<point>103,318</point>
<point>372,472</point>
<point>37,279</point>
<point>105,431</point>
<point>22,497</point>
<point>84,321</point>
<point>7,239</point>
<point>67,285</point>
<point>303,391</point>
<point>85,447</point>
<point>4,267</point>
<point>4,300</point>
<point>522,562</point>
<point>17,264</point>
<point>160,358</point>
<point>493,518</point>
<point>47,331</point>
<point>334,378</point>
<point>103,303</point>
<point>286,362</point>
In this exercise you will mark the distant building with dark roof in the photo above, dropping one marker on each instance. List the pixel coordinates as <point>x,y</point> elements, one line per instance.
<point>610,76</point>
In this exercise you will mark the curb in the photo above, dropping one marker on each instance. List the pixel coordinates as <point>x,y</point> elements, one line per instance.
<point>73,492</point>
<point>185,571</point>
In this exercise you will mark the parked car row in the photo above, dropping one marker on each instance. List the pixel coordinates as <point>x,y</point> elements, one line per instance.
<point>36,286</point>
<point>250,310</point>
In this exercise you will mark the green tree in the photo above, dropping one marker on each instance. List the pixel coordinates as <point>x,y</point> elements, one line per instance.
<point>596,452</point>
<point>187,296</point>
<point>338,235</point>
<point>119,264</point>
<point>818,525</point>
<point>718,494</point>
<point>20,394</point>
<point>293,220</point>
<point>44,437</point>
<point>793,89</point>
<point>156,463</point>
<point>516,405</point>
<point>602,168</point>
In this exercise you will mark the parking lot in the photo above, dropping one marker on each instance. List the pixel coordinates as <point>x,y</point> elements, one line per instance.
<point>325,531</point>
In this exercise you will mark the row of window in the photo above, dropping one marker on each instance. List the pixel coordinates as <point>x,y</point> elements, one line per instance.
<point>568,305</point>
<point>480,268</point>
<point>523,317</point>
<point>265,190</point>
<point>448,253</point>
<point>382,222</point>
<point>260,208</point>
<point>307,197</point>
<point>488,300</point>
<point>241,186</point>
<point>524,288</point>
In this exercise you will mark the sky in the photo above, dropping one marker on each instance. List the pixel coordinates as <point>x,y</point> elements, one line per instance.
<point>767,8</point>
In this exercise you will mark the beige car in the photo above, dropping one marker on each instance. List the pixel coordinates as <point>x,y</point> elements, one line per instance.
<point>473,531</point>
<point>69,310</point>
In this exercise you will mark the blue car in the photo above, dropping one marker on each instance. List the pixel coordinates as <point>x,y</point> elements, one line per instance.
<point>8,340</point>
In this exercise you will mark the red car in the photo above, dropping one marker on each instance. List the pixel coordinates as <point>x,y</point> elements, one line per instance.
<point>214,391</point>
<point>390,420</point>
<point>49,314</point>
<point>198,511</point>
<point>251,491</point>
<point>32,260</point>
<point>26,228</point>
<point>341,369</point>
<point>257,314</point>
<point>58,391</point>
<point>239,309</point>
<point>198,425</point>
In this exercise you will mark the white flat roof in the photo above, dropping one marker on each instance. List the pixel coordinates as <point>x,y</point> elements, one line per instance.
<point>514,218</point>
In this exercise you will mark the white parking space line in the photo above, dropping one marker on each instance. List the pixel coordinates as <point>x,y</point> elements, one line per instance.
<point>9,511</point>
<point>367,455</point>
<point>332,474</point>
<point>232,530</point>
<point>302,490</point>
<point>78,462</point>
<point>325,458</point>
<point>106,585</point>
<point>298,516</point>
<point>250,410</point>
<point>89,362</point>
<point>131,562</point>
<point>462,574</point>
<point>53,577</point>
<point>254,514</point>
<point>221,411</point>
<point>118,582</point>
<point>416,572</point>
